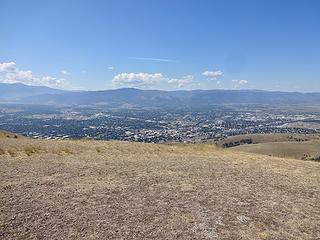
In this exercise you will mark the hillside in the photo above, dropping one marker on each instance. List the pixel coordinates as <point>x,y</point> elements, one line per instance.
<point>6,134</point>
<point>297,146</point>
<point>309,150</point>
<point>119,190</point>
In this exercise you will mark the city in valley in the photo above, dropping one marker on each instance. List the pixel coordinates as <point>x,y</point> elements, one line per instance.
<point>157,125</point>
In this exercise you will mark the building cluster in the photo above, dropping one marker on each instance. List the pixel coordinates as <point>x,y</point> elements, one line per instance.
<point>157,126</point>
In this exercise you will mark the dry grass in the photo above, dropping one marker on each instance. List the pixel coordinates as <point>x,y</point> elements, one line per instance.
<point>5,134</point>
<point>298,150</point>
<point>121,190</point>
<point>12,152</point>
<point>267,138</point>
<point>29,150</point>
<point>296,146</point>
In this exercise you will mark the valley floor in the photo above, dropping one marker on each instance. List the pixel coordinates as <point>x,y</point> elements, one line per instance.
<point>121,190</point>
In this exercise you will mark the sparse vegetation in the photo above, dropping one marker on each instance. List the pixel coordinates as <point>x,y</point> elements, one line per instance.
<point>151,191</point>
<point>302,147</point>
<point>237,143</point>
<point>99,149</point>
<point>263,236</point>
<point>5,134</point>
<point>12,153</point>
<point>29,150</point>
<point>315,158</point>
<point>2,152</point>
<point>303,150</point>
<point>264,138</point>
<point>66,150</point>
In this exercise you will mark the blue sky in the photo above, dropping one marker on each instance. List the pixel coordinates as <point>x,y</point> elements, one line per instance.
<point>167,44</point>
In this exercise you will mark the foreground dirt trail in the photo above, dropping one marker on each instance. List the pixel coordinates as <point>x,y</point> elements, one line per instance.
<point>117,190</point>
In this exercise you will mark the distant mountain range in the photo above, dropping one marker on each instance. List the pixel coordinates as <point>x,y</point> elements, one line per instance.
<point>19,93</point>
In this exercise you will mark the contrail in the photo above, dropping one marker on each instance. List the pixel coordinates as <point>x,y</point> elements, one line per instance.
<point>155,59</point>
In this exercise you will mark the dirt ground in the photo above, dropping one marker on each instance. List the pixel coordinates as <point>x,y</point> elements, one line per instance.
<point>119,190</point>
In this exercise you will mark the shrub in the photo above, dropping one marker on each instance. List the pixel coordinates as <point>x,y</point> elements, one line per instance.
<point>316,158</point>
<point>99,149</point>
<point>67,151</point>
<point>12,153</point>
<point>31,150</point>
<point>2,152</point>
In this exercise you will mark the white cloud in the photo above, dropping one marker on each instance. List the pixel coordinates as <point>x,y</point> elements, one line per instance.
<point>64,72</point>
<point>8,67</point>
<point>212,75</point>
<point>53,82</point>
<point>150,80</point>
<point>239,83</point>
<point>10,73</point>
<point>181,82</point>
<point>111,67</point>
<point>138,79</point>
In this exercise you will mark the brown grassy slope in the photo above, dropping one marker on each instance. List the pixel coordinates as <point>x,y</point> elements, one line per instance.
<point>119,190</point>
<point>298,150</point>
<point>5,134</point>
<point>266,138</point>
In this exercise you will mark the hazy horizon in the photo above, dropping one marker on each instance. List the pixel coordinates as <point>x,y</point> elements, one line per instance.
<point>166,90</point>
